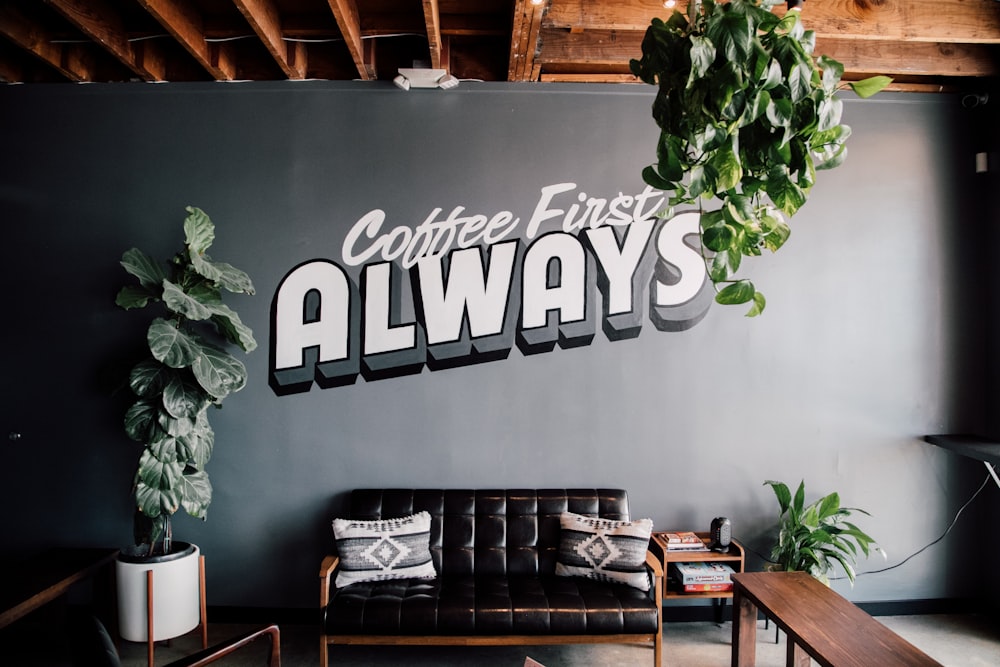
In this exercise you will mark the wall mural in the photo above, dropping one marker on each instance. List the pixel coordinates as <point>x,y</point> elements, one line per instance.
<point>464,288</point>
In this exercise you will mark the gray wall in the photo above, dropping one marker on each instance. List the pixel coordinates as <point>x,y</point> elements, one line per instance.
<point>862,349</point>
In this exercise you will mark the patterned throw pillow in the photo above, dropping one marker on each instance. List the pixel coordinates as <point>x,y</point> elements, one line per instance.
<point>605,550</point>
<point>384,549</point>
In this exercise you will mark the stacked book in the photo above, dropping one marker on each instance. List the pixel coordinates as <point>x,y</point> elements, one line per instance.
<point>684,541</point>
<point>702,577</point>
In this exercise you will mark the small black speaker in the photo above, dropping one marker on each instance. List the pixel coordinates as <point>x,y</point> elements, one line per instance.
<point>721,534</point>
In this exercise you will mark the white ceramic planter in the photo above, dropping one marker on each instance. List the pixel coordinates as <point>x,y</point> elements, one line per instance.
<point>176,594</point>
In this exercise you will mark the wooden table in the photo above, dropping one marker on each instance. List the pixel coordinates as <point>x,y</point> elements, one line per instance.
<point>817,621</point>
<point>27,586</point>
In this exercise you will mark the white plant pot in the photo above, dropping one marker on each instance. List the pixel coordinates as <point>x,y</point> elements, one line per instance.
<point>176,594</point>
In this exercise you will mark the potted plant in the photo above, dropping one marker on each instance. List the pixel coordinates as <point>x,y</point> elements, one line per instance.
<point>813,537</point>
<point>187,372</point>
<point>747,116</point>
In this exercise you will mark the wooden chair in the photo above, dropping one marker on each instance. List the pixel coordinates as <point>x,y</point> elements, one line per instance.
<point>93,646</point>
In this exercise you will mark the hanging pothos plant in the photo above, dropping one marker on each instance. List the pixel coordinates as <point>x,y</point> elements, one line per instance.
<point>188,371</point>
<point>747,116</point>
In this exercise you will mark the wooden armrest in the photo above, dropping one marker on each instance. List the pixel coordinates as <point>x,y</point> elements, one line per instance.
<point>653,562</point>
<point>328,566</point>
<point>325,571</point>
<point>222,649</point>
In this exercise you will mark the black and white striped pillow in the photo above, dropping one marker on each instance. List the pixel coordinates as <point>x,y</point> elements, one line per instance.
<point>603,549</point>
<point>384,549</point>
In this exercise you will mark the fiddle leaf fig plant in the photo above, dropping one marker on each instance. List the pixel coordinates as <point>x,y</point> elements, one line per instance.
<point>747,116</point>
<point>813,537</point>
<point>188,372</point>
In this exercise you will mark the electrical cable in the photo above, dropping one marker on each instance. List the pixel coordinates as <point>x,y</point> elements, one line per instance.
<point>927,546</point>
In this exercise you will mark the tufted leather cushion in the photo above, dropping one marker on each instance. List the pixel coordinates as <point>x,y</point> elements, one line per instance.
<point>495,552</point>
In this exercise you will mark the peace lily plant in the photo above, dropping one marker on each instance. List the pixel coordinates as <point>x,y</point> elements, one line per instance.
<point>813,538</point>
<point>188,372</point>
<point>747,117</point>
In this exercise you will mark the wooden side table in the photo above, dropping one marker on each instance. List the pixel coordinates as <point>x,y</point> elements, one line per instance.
<point>734,558</point>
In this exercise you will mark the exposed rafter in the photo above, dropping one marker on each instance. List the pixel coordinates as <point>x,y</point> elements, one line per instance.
<point>183,21</point>
<point>263,17</point>
<point>70,60</point>
<point>432,19</point>
<point>524,41</point>
<point>102,23</point>
<point>349,21</point>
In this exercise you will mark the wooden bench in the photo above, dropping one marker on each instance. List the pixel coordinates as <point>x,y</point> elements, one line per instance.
<point>818,622</point>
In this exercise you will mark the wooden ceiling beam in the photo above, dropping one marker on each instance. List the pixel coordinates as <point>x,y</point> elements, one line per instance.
<point>595,77</point>
<point>524,40</point>
<point>263,17</point>
<point>912,58</point>
<point>346,14</point>
<point>183,21</point>
<point>103,24</point>
<point>609,47</point>
<point>432,24</point>
<point>71,61</point>
<point>944,21</point>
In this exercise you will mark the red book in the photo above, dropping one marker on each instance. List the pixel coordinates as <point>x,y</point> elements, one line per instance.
<point>708,588</point>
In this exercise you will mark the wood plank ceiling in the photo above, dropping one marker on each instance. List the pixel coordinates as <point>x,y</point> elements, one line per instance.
<point>923,44</point>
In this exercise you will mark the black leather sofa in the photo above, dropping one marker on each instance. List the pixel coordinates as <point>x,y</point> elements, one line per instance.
<point>494,552</point>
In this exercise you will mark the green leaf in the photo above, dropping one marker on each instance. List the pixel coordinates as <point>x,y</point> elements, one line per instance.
<point>702,57</point>
<point>773,77</point>
<point>168,448</point>
<point>182,399</point>
<point>829,505</point>
<point>777,233</point>
<point>758,305</point>
<point>669,153</point>
<point>232,327</point>
<point>785,194</point>
<point>740,291</point>
<point>199,231</point>
<point>829,112</point>
<point>140,420</point>
<point>219,373</point>
<point>153,502</point>
<point>226,275</point>
<point>149,272</point>
<point>174,426</point>
<point>725,264</point>
<point>652,177</point>
<point>800,497</point>
<point>148,377</point>
<point>200,442</point>
<point>195,493</point>
<point>779,112</point>
<point>726,166</point>
<point>782,493</point>
<point>870,86</point>
<point>799,81</point>
<point>718,238</point>
<point>135,296</point>
<point>159,474</point>
<point>177,301</point>
<point>170,345</point>
<point>832,72</point>
<point>732,32</point>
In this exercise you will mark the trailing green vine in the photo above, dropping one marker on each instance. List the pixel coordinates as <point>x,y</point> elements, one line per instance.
<point>747,116</point>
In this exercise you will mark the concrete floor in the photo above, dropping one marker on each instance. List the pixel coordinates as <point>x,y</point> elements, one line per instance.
<point>955,641</point>
<point>964,640</point>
